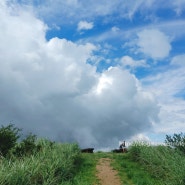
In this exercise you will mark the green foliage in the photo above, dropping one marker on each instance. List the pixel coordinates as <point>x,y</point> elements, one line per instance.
<point>86,170</point>
<point>177,141</point>
<point>28,146</point>
<point>161,162</point>
<point>135,151</point>
<point>132,172</point>
<point>52,165</point>
<point>35,161</point>
<point>8,138</point>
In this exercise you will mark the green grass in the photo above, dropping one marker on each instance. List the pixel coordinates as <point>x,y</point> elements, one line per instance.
<point>165,165</point>
<point>64,164</point>
<point>54,164</point>
<point>117,160</point>
<point>115,164</point>
<point>87,170</point>
<point>132,173</point>
<point>51,166</point>
<point>150,165</point>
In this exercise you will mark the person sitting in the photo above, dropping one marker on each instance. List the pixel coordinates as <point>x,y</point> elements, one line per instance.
<point>122,146</point>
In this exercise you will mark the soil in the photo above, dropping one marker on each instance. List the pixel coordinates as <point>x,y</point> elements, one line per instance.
<point>106,174</point>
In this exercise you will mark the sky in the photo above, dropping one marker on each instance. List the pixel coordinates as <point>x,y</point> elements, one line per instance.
<point>93,72</point>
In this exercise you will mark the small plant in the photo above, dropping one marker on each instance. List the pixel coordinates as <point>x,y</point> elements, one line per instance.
<point>8,138</point>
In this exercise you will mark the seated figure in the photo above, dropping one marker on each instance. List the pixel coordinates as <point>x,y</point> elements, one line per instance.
<point>122,146</point>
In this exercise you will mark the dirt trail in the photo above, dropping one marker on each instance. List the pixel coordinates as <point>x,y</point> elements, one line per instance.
<point>106,174</point>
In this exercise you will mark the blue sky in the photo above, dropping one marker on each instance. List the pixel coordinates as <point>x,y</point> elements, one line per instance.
<point>104,71</point>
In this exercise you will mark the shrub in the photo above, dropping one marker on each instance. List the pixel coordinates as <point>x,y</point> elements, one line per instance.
<point>8,138</point>
<point>177,141</point>
<point>135,151</point>
<point>27,146</point>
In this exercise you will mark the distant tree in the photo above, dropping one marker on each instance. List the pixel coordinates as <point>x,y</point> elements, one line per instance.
<point>8,138</point>
<point>27,146</point>
<point>177,141</point>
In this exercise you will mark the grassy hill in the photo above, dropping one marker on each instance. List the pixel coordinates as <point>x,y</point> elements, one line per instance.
<point>64,164</point>
<point>42,162</point>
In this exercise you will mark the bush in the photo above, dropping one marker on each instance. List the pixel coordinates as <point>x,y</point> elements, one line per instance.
<point>177,141</point>
<point>135,151</point>
<point>8,138</point>
<point>28,146</point>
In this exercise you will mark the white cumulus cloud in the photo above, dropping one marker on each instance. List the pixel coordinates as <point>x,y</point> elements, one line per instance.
<point>153,43</point>
<point>84,25</point>
<point>128,61</point>
<point>47,87</point>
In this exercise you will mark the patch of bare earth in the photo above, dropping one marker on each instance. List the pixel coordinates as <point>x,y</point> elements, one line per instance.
<point>106,174</point>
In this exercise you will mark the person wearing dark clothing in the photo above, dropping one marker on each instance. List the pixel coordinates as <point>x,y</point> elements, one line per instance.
<point>122,146</point>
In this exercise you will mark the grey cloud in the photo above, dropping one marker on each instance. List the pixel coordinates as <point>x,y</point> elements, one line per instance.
<point>49,89</point>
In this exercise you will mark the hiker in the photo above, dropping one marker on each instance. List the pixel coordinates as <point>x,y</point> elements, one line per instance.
<point>122,146</point>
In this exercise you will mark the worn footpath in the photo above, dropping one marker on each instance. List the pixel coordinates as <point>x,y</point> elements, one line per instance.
<point>106,174</point>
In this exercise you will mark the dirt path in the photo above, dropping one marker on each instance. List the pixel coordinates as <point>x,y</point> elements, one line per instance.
<point>106,174</point>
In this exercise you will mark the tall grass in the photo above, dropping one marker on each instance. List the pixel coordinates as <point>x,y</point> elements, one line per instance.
<point>52,165</point>
<point>87,170</point>
<point>132,173</point>
<point>163,163</point>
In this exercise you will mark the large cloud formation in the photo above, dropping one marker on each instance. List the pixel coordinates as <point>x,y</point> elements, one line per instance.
<point>48,87</point>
